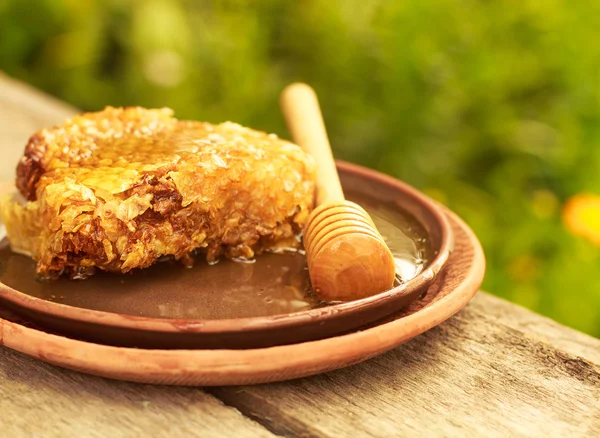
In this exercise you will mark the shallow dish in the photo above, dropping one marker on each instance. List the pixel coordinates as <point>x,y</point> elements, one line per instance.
<point>452,290</point>
<point>154,312</point>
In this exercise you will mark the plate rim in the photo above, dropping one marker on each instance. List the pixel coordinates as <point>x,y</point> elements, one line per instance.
<point>249,324</point>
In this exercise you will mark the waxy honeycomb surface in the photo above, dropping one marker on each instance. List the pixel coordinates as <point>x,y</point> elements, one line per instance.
<point>121,188</point>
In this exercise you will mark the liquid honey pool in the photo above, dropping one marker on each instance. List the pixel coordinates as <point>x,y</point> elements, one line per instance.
<point>273,284</point>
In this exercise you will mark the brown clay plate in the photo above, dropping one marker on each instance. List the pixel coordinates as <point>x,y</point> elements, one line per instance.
<point>451,291</point>
<point>237,305</point>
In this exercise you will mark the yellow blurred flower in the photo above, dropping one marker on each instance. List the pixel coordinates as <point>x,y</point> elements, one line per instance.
<point>581,216</point>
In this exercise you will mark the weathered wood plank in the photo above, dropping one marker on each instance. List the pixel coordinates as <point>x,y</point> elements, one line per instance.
<point>534,325</point>
<point>37,399</point>
<point>471,376</point>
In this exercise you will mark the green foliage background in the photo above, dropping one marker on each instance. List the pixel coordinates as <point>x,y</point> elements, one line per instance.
<point>492,107</point>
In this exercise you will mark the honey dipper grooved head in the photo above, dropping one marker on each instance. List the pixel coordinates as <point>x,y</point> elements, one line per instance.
<point>347,257</point>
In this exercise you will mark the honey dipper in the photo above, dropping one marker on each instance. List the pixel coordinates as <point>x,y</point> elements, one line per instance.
<point>347,257</point>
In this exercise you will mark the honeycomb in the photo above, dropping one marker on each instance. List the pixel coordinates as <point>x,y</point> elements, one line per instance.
<point>122,188</point>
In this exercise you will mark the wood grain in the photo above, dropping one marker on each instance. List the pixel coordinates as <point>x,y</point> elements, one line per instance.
<point>533,325</point>
<point>471,376</point>
<point>38,400</point>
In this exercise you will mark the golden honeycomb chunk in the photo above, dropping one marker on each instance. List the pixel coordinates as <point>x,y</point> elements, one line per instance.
<point>120,188</point>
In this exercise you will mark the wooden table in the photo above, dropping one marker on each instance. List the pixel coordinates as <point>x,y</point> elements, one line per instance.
<point>495,369</point>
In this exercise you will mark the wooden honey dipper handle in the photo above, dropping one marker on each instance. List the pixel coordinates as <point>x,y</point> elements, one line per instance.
<point>305,122</point>
<point>347,257</point>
